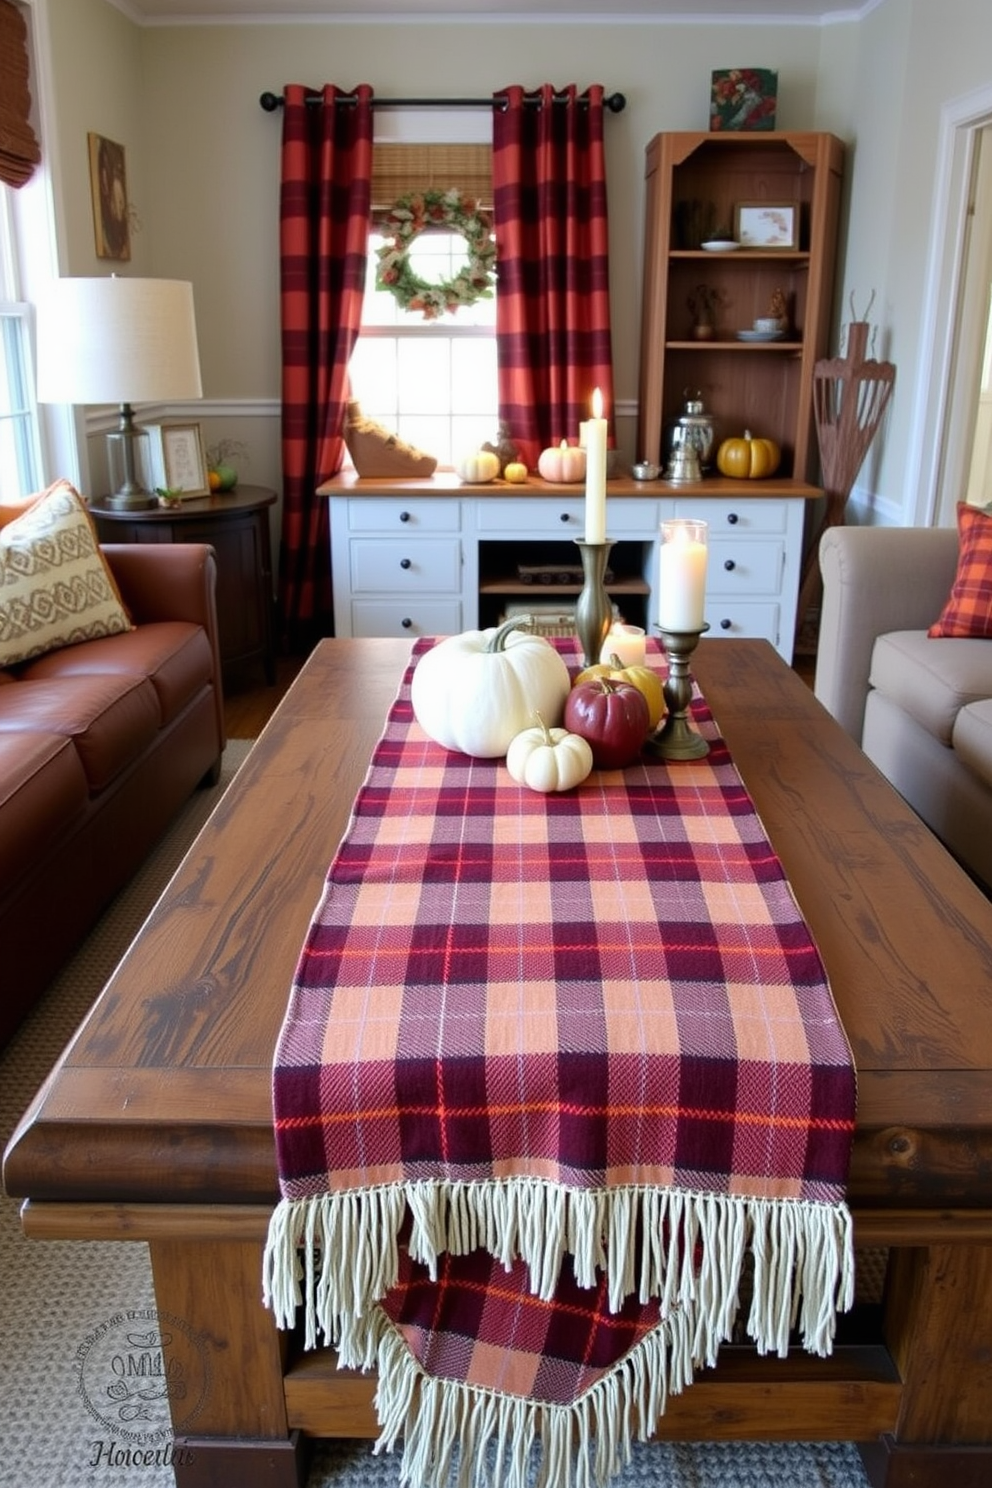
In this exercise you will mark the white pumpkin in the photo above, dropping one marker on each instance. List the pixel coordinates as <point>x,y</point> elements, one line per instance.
<point>549,759</point>
<point>565,464</point>
<point>476,691</point>
<point>478,469</point>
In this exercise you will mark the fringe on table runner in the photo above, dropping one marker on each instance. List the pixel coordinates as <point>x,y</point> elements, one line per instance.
<point>691,1256</point>
<point>488,1438</point>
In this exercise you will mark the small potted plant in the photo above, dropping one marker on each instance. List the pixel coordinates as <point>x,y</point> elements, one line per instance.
<point>703,303</point>
<point>221,473</point>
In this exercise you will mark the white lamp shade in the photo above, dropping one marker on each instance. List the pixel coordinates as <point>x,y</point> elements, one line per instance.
<point>115,340</point>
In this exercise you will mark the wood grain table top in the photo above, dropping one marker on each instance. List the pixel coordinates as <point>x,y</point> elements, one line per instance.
<point>164,1095</point>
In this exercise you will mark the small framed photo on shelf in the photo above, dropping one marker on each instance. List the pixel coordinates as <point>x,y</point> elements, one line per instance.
<point>768,225</point>
<point>176,459</point>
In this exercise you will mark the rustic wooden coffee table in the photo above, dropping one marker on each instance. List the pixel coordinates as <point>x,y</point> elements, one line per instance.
<point>156,1124</point>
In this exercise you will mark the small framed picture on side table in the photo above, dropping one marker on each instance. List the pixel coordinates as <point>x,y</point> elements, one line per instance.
<point>177,461</point>
<point>767,225</point>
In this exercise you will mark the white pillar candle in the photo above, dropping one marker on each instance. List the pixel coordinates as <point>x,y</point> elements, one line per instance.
<point>625,641</point>
<point>596,472</point>
<point>682,575</point>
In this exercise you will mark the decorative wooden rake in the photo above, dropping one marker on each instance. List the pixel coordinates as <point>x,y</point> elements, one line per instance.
<point>850,395</point>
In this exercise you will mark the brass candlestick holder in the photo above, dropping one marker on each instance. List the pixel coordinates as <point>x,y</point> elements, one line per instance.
<point>676,740</point>
<point>593,608</point>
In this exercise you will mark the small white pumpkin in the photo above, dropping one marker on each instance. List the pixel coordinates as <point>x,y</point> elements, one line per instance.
<point>563,465</point>
<point>478,469</point>
<point>476,691</point>
<point>549,759</point>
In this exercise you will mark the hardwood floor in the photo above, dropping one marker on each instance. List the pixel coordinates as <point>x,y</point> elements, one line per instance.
<point>249,701</point>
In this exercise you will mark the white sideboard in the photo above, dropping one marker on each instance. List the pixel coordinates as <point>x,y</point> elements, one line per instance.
<point>435,557</point>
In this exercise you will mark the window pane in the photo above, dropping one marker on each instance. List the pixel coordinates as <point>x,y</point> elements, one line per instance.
<point>432,435</point>
<point>373,375</point>
<point>470,434</point>
<point>425,376</point>
<point>473,376</point>
<point>20,466</point>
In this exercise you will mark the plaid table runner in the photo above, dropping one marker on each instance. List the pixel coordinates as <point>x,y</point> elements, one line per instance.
<point>555,1071</point>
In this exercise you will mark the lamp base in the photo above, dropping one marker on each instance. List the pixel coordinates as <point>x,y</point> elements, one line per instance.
<point>125,448</point>
<point>129,501</point>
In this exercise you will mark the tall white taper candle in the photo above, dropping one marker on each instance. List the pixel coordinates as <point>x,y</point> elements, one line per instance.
<point>596,472</point>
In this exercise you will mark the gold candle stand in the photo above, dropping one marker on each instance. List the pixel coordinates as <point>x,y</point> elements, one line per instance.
<point>593,608</point>
<point>676,740</point>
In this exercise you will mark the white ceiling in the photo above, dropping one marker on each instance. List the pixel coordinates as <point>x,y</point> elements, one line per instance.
<point>806,12</point>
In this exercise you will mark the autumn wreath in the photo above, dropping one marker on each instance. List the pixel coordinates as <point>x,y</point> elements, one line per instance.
<point>405,220</point>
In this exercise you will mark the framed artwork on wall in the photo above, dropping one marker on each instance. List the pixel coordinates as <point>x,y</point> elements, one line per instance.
<point>767,225</point>
<point>743,98</point>
<point>176,459</point>
<point>108,187</point>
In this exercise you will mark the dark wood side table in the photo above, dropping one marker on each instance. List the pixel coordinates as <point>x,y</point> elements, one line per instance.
<point>236,524</point>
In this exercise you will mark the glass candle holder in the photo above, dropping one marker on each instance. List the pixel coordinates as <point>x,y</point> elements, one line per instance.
<point>682,575</point>
<point>628,642</point>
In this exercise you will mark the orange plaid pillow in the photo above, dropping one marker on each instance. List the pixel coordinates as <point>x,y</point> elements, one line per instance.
<point>968,611</point>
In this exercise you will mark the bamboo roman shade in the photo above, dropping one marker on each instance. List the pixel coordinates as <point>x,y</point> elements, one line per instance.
<point>19,150</point>
<point>399,169</point>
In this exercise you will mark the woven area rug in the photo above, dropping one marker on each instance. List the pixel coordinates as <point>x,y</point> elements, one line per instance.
<point>54,1294</point>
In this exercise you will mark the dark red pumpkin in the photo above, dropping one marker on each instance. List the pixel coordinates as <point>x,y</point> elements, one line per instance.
<point>612,716</point>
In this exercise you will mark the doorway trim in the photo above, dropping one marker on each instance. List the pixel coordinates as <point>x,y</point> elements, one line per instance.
<point>960,123</point>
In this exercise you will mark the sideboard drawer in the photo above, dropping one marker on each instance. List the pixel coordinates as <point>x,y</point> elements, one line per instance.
<point>741,515</point>
<point>552,516</point>
<point>525,516</point>
<point>396,514</point>
<point>419,617</point>
<point>743,620</point>
<point>745,568</point>
<point>384,566</point>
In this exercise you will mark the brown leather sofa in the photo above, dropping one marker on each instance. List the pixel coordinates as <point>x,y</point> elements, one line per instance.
<point>100,744</point>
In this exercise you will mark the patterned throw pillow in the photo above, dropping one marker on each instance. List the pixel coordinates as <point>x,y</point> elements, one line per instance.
<point>55,586</point>
<point>968,611</point>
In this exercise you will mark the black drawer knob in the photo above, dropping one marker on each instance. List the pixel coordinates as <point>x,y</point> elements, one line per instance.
<point>726,624</point>
<point>406,623</point>
<point>733,518</point>
<point>564,517</point>
<point>729,564</point>
<point>404,516</point>
<point>404,563</point>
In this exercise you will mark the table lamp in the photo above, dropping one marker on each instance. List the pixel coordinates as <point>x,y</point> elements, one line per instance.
<point>118,340</point>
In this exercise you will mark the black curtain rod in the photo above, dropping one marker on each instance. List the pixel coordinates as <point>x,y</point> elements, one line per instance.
<point>615,102</point>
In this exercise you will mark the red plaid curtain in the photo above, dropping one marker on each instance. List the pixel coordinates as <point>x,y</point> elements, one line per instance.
<point>553,299</point>
<point>325,198</point>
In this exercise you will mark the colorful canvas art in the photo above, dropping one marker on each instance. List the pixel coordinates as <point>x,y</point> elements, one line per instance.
<point>743,98</point>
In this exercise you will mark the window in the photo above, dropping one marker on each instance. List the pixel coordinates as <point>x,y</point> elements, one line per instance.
<point>433,383</point>
<point>20,446</point>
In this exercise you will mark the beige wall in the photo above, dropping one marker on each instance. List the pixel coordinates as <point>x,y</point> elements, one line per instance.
<point>915,57</point>
<point>203,157</point>
<point>96,77</point>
